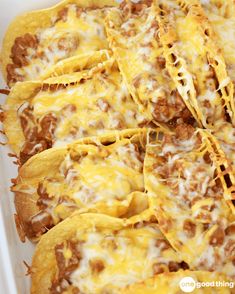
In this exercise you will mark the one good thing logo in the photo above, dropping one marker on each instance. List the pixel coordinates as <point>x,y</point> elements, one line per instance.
<point>187,284</point>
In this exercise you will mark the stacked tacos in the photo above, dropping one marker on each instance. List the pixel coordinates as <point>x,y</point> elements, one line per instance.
<point>121,120</point>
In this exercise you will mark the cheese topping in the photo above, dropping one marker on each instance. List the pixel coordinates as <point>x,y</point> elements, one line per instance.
<point>98,178</point>
<point>224,8</point>
<point>115,252</point>
<point>222,17</point>
<point>225,133</point>
<point>133,36</point>
<point>193,59</point>
<point>225,29</point>
<point>224,143</point>
<point>219,254</point>
<point>182,186</point>
<point>74,31</point>
<point>97,105</point>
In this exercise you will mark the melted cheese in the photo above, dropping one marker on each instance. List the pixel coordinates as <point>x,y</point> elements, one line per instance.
<point>134,40</point>
<point>116,251</point>
<point>222,17</point>
<point>193,59</point>
<point>215,259</point>
<point>224,145</point>
<point>80,33</point>
<point>224,27</point>
<point>103,180</point>
<point>182,188</point>
<point>98,105</point>
<point>224,8</point>
<point>225,133</point>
